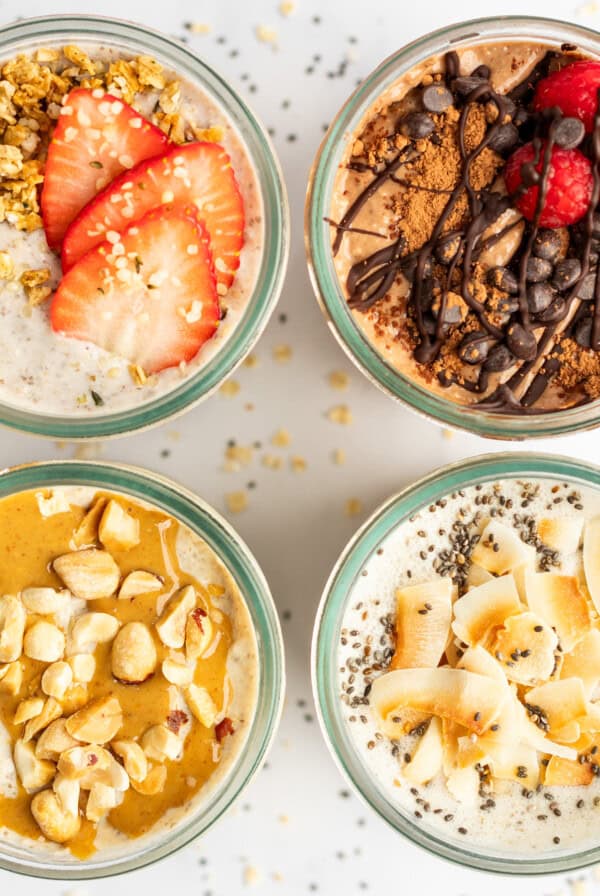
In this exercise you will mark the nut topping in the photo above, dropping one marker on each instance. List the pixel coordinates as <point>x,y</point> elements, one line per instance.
<point>160,744</point>
<point>91,629</point>
<point>198,633</point>
<point>44,642</point>
<point>55,823</point>
<point>54,740</point>
<point>33,773</point>
<point>201,704</point>
<point>90,574</point>
<point>118,530</point>
<point>139,582</point>
<point>98,722</point>
<point>12,627</point>
<point>176,670</point>
<point>171,626</point>
<point>57,679</point>
<point>133,653</point>
<point>134,759</point>
<point>45,601</point>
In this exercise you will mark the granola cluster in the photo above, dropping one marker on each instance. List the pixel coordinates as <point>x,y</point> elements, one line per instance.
<point>32,90</point>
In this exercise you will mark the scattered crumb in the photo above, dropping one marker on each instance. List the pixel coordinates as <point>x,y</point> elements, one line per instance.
<point>174,435</point>
<point>248,406</point>
<point>340,414</point>
<point>251,361</point>
<point>281,439</point>
<point>137,374</point>
<point>236,501</point>
<point>88,451</point>
<point>587,9</point>
<point>339,457</point>
<point>338,379</point>
<point>199,27</point>
<point>353,507</point>
<point>298,464</point>
<point>237,457</point>
<point>287,8</point>
<point>229,388</point>
<point>276,875</point>
<point>283,819</point>
<point>579,887</point>
<point>266,35</point>
<point>282,353</point>
<point>448,434</point>
<point>251,875</point>
<point>272,461</point>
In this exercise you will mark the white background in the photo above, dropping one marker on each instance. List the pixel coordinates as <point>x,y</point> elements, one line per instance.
<point>295,831</point>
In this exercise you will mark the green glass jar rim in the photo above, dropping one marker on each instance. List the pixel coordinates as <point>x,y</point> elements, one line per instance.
<point>29,34</point>
<point>237,558</point>
<point>328,291</point>
<point>324,658</point>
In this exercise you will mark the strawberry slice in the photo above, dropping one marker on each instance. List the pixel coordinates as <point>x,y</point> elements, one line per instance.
<point>149,294</point>
<point>96,138</point>
<point>197,173</point>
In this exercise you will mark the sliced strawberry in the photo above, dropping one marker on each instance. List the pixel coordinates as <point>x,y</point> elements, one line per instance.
<point>197,173</point>
<point>96,138</point>
<point>149,294</point>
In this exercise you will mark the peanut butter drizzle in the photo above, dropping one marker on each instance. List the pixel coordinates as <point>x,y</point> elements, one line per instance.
<point>28,545</point>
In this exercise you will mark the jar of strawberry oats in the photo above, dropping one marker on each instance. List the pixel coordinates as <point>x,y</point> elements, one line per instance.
<point>143,227</point>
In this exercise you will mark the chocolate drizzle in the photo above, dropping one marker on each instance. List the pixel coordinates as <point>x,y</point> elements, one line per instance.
<point>525,345</point>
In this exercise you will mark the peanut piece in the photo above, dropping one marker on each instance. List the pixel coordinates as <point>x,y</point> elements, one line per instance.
<point>134,656</point>
<point>86,534</point>
<point>201,704</point>
<point>57,680</point>
<point>176,671</point>
<point>54,741</point>
<point>11,679</point>
<point>98,722</point>
<point>198,634</point>
<point>54,823</point>
<point>44,642</point>
<point>92,628</point>
<point>171,625</point>
<point>134,758</point>
<point>160,744</point>
<point>33,773</point>
<point>28,709</point>
<point>12,627</point>
<point>153,783</point>
<point>44,601</point>
<point>83,666</point>
<point>139,582</point>
<point>52,710</point>
<point>68,792</point>
<point>101,800</point>
<point>90,574</point>
<point>118,530</point>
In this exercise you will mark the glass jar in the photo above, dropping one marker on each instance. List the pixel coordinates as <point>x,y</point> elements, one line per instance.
<point>326,638</point>
<point>204,521</point>
<point>318,231</point>
<point>27,36</point>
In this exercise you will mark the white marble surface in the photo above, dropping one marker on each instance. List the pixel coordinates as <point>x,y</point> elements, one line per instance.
<point>294,832</point>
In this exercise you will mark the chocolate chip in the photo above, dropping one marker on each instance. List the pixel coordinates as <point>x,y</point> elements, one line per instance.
<point>410,267</point>
<point>465,85</point>
<point>503,279</point>
<point>475,347</point>
<point>505,138</point>
<point>566,273</point>
<point>521,342</point>
<point>507,305</point>
<point>585,291</point>
<point>555,312</point>
<point>520,116</point>
<point>547,244</point>
<point>417,125</point>
<point>436,98</point>
<point>452,64</point>
<point>539,297</point>
<point>583,333</point>
<point>500,358</point>
<point>538,269</point>
<point>569,133</point>
<point>446,248</point>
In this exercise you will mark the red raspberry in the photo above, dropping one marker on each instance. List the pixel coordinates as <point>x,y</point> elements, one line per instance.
<point>570,184</point>
<point>573,89</point>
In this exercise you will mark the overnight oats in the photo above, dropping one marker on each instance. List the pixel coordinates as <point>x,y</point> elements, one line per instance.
<point>458,226</point>
<point>128,673</point>
<point>132,225</point>
<point>467,669</point>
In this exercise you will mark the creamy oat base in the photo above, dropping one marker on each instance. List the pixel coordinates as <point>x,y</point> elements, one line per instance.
<point>521,814</point>
<point>52,374</point>
<point>42,526</point>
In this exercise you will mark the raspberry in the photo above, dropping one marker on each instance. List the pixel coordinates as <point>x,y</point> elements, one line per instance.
<point>570,184</point>
<point>573,89</point>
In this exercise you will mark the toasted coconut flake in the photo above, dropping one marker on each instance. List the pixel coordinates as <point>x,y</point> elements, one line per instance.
<point>567,773</point>
<point>477,659</point>
<point>500,549</point>
<point>469,699</point>
<point>423,614</point>
<point>525,648</point>
<point>483,609</point>
<point>451,734</point>
<point>560,702</point>
<point>568,734</point>
<point>513,761</point>
<point>403,721</point>
<point>584,661</point>
<point>463,784</point>
<point>591,559</point>
<point>426,761</point>
<point>477,575</point>
<point>560,602</point>
<point>561,534</point>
